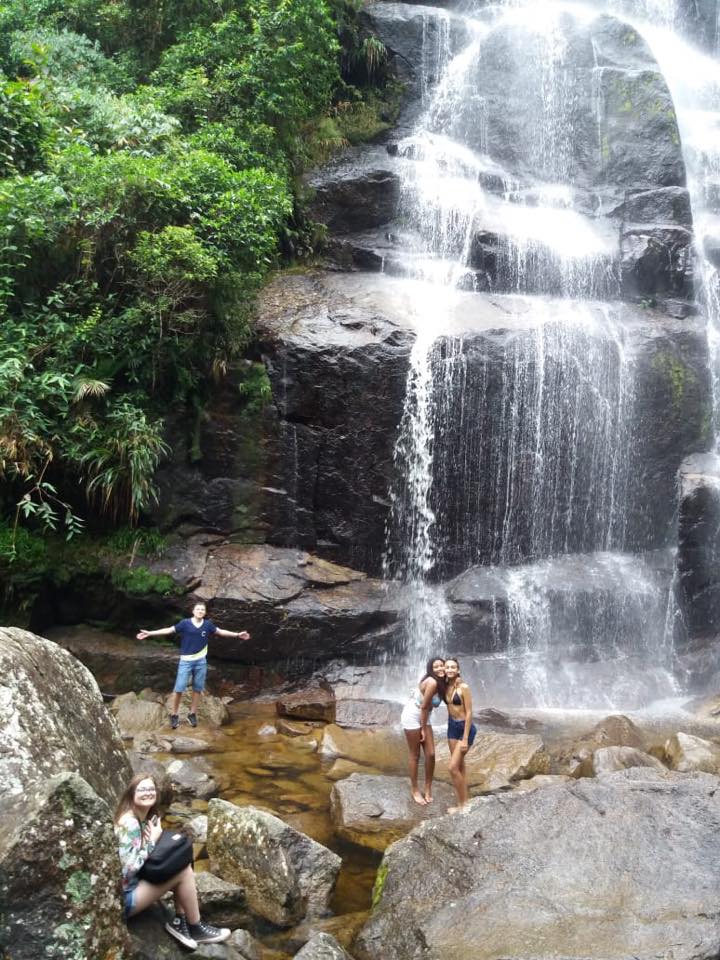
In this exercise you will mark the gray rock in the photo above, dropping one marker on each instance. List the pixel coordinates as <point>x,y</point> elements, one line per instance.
<point>197,828</point>
<point>322,946</point>
<point>621,856</point>
<point>190,780</point>
<point>286,875</point>
<point>150,940</point>
<point>497,760</point>
<point>374,811</point>
<point>698,556</point>
<point>356,192</point>
<point>41,735</point>
<point>668,205</point>
<point>223,903</point>
<point>118,663</point>
<point>656,259</point>
<point>211,711</point>
<point>59,874</point>
<point>686,753</point>
<point>611,759</point>
<point>137,716</point>
<point>312,703</point>
<point>412,35</point>
<point>246,945</point>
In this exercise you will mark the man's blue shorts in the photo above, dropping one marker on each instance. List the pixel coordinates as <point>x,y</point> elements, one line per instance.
<point>191,669</point>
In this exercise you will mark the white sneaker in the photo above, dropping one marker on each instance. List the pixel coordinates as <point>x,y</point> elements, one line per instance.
<point>179,929</point>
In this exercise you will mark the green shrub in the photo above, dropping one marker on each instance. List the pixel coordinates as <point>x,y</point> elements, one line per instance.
<point>138,581</point>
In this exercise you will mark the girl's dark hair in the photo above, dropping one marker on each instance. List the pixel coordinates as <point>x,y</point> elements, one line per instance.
<point>440,681</point>
<point>125,804</point>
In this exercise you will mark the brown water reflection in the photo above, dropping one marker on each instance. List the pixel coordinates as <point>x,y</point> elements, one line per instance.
<point>287,776</point>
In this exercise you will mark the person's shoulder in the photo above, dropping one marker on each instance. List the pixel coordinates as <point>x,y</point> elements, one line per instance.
<point>128,821</point>
<point>181,624</point>
<point>210,626</point>
<point>429,682</point>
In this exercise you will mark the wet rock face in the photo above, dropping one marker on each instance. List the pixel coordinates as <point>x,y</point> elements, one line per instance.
<point>54,719</point>
<point>698,539</point>
<point>286,875</point>
<point>523,863</point>
<point>59,875</point>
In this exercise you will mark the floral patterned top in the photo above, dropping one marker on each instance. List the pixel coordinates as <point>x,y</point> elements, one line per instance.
<point>133,851</point>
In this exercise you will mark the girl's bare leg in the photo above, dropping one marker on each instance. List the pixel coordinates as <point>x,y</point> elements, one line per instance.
<point>182,885</point>
<point>413,742</point>
<point>429,751</point>
<point>456,768</point>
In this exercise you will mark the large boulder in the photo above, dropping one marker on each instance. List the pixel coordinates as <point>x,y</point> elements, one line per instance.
<point>191,780</point>
<point>686,752</point>
<point>384,749</point>
<point>136,715</point>
<point>498,759</point>
<point>223,903</point>
<point>120,664</point>
<point>311,703</point>
<point>374,811</point>
<point>294,605</point>
<point>609,868</point>
<point>59,875</point>
<point>610,759</point>
<point>286,875</point>
<point>54,720</point>
<point>356,192</point>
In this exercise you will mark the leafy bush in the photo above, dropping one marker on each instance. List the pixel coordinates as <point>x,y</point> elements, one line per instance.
<point>149,154</point>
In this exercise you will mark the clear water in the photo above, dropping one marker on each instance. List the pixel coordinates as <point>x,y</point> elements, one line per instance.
<point>518,453</point>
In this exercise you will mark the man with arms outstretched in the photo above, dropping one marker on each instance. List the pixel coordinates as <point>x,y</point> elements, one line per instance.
<point>194,634</point>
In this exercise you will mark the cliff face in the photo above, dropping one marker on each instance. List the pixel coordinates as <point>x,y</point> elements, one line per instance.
<point>542,168</point>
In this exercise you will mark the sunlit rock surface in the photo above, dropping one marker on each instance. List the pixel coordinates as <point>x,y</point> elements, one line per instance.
<point>619,866</point>
<point>286,875</point>
<point>373,811</point>
<point>53,720</point>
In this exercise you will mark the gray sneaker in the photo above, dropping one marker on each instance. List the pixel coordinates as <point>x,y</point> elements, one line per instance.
<point>207,933</point>
<point>174,721</point>
<point>192,719</point>
<point>179,929</point>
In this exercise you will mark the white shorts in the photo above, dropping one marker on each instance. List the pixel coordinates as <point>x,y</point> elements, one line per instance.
<point>410,717</point>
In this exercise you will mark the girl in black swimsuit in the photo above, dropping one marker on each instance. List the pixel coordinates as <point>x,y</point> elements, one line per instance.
<point>461,729</point>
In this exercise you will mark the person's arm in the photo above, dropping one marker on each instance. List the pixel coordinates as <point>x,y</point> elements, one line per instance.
<point>241,635</point>
<point>133,847</point>
<point>165,632</point>
<point>467,704</point>
<point>429,691</point>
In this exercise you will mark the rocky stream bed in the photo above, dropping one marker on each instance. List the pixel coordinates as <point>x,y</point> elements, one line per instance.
<point>586,837</point>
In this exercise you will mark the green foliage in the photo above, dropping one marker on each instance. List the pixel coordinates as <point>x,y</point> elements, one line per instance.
<point>136,541</point>
<point>148,159</point>
<point>139,581</point>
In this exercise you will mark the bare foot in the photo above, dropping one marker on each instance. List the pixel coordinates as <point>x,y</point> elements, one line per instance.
<point>428,796</point>
<point>418,798</point>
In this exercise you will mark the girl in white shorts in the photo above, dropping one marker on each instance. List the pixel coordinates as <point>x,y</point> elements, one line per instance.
<point>418,732</point>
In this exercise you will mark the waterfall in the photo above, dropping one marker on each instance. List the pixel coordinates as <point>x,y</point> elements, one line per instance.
<point>519,456</point>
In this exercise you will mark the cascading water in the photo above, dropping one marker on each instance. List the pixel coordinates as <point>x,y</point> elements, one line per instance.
<point>519,456</point>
